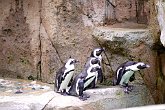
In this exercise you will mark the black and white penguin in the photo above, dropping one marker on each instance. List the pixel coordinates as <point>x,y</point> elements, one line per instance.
<point>125,73</point>
<point>97,54</point>
<point>92,76</point>
<point>91,62</point>
<point>64,76</point>
<point>82,80</point>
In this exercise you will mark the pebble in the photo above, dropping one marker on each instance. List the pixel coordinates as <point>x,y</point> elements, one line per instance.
<point>19,91</point>
<point>36,87</point>
<point>45,87</point>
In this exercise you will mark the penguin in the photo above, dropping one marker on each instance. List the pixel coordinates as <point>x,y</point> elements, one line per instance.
<point>97,54</point>
<point>92,76</point>
<point>64,76</point>
<point>91,62</point>
<point>125,73</point>
<point>82,80</point>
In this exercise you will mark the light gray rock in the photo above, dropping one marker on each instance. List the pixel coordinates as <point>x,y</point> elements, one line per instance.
<point>104,99</point>
<point>31,101</point>
<point>149,107</point>
<point>127,37</point>
<point>100,99</point>
<point>123,44</point>
<point>161,19</point>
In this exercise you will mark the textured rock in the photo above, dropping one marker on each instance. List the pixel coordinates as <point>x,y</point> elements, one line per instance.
<point>19,28</point>
<point>26,102</point>
<point>101,98</point>
<point>123,44</point>
<point>99,12</point>
<point>65,36</point>
<point>130,44</point>
<point>104,99</point>
<point>153,107</point>
<point>128,37</point>
<point>161,19</point>
<point>36,37</point>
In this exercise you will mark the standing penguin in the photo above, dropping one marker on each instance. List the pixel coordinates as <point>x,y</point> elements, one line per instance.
<point>92,75</point>
<point>125,73</point>
<point>92,62</point>
<point>97,54</point>
<point>64,76</point>
<point>82,80</point>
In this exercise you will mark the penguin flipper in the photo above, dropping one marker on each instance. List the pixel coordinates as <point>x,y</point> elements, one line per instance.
<point>59,78</point>
<point>58,81</point>
<point>100,75</point>
<point>70,82</point>
<point>91,85</point>
<point>121,73</point>
<point>114,81</point>
<point>132,78</point>
<point>81,89</point>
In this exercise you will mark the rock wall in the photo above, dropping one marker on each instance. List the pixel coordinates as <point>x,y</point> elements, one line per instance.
<point>19,32</point>
<point>37,37</point>
<point>161,15</point>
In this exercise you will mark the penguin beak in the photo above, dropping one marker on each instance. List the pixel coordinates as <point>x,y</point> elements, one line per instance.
<point>103,49</point>
<point>147,66</point>
<point>76,61</point>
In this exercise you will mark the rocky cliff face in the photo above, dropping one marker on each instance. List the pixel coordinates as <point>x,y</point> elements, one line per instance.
<point>37,37</point>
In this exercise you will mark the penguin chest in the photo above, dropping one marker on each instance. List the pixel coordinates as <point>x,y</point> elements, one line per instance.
<point>65,82</point>
<point>89,79</point>
<point>125,78</point>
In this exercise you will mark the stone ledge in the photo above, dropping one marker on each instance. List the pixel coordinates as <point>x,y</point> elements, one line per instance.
<point>127,36</point>
<point>106,98</point>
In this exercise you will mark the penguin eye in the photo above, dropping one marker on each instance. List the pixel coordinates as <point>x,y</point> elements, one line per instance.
<point>95,61</point>
<point>98,52</point>
<point>93,69</point>
<point>141,66</point>
<point>71,62</point>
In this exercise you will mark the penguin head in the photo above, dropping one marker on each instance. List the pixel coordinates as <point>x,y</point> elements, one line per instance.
<point>97,52</point>
<point>94,60</point>
<point>137,66</point>
<point>141,65</point>
<point>95,69</point>
<point>71,61</point>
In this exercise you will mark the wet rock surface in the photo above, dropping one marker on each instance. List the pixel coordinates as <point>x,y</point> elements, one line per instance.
<point>19,86</point>
<point>43,97</point>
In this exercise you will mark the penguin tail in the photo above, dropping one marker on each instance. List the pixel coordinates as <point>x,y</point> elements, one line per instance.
<point>114,81</point>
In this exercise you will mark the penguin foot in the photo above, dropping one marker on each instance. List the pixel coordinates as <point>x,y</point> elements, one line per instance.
<point>64,93</point>
<point>130,88</point>
<point>126,90</point>
<point>58,92</point>
<point>82,98</point>
<point>86,96</point>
